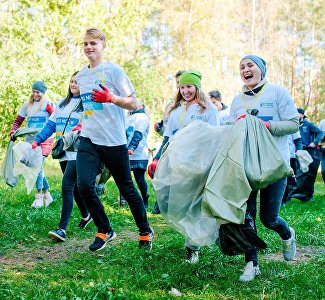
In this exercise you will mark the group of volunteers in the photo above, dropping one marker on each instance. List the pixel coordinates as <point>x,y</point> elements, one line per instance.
<point>94,112</point>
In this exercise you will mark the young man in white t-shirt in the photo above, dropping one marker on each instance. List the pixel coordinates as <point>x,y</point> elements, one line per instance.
<point>106,91</point>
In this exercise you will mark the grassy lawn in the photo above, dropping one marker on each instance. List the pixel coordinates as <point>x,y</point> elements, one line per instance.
<point>33,266</point>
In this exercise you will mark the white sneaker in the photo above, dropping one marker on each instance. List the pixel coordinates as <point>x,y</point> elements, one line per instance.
<point>38,202</point>
<point>289,246</point>
<point>47,199</point>
<point>192,256</point>
<point>250,272</point>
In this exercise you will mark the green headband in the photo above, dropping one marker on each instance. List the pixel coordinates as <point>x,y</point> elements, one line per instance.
<point>191,77</point>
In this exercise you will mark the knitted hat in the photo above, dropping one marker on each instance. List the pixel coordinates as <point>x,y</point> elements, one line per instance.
<point>191,77</point>
<point>39,86</point>
<point>259,61</point>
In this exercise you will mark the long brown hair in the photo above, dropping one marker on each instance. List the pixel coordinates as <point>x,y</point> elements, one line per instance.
<point>203,100</point>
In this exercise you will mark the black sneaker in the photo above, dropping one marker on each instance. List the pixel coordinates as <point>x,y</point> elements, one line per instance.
<point>58,234</point>
<point>101,240</point>
<point>145,240</point>
<point>83,224</point>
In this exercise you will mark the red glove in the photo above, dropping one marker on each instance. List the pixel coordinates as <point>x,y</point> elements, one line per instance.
<point>266,124</point>
<point>152,168</point>
<point>130,151</point>
<point>49,108</point>
<point>35,144</point>
<point>241,117</point>
<point>104,96</point>
<point>77,128</point>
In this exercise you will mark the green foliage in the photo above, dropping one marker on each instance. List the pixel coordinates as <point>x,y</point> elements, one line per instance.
<point>33,266</point>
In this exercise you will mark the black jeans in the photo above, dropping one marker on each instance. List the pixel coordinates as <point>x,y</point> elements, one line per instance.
<point>70,191</point>
<point>116,159</point>
<point>142,184</point>
<point>270,202</point>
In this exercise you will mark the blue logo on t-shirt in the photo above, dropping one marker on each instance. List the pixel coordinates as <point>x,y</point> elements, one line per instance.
<point>89,105</point>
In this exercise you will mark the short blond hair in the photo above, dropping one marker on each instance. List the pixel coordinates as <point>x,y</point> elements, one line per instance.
<point>96,33</point>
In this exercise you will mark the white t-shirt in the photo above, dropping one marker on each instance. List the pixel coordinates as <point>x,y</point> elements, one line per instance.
<point>138,122</point>
<point>180,117</point>
<point>274,103</point>
<point>104,123</point>
<point>224,116</point>
<point>36,115</point>
<point>60,117</point>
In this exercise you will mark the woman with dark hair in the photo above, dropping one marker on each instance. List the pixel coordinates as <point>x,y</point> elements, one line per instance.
<point>66,117</point>
<point>276,110</point>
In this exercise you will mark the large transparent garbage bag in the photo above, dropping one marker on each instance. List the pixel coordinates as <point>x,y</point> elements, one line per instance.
<point>304,159</point>
<point>180,178</point>
<point>28,163</point>
<point>9,160</point>
<point>248,160</point>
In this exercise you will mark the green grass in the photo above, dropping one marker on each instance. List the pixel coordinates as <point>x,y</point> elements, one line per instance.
<point>33,266</point>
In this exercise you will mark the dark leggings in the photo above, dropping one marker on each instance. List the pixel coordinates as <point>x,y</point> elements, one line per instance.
<point>70,191</point>
<point>142,184</point>
<point>270,202</point>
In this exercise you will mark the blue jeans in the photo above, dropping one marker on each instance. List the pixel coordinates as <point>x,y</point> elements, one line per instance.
<point>116,159</point>
<point>41,181</point>
<point>270,203</point>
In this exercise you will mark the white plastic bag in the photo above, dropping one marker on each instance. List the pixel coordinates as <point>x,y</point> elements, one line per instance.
<point>304,159</point>
<point>28,163</point>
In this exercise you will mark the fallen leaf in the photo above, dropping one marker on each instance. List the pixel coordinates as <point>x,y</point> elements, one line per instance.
<point>175,292</point>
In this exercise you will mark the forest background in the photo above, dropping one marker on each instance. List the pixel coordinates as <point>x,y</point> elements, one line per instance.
<point>153,39</point>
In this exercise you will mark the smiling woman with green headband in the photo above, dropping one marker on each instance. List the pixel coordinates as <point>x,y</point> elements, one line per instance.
<point>273,105</point>
<point>191,104</point>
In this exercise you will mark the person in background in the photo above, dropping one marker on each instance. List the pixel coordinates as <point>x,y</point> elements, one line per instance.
<point>37,110</point>
<point>322,127</point>
<point>66,117</point>
<point>106,91</point>
<point>311,137</point>
<point>223,109</point>
<point>137,129</point>
<point>295,144</point>
<point>277,112</point>
<point>191,104</point>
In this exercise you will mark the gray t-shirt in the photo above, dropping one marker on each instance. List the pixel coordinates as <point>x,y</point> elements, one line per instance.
<point>104,123</point>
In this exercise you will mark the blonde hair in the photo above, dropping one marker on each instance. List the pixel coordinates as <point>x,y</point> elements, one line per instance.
<point>203,100</point>
<point>31,102</point>
<point>96,33</point>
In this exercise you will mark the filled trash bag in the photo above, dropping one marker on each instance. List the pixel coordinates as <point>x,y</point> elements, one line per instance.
<point>9,160</point>
<point>304,159</point>
<point>236,239</point>
<point>203,178</point>
<point>305,181</point>
<point>28,163</point>
<point>180,178</point>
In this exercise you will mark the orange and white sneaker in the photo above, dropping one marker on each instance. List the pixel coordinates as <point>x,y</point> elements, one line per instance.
<point>38,202</point>
<point>47,199</point>
<point>101,240</point>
